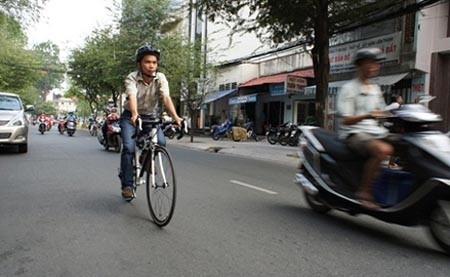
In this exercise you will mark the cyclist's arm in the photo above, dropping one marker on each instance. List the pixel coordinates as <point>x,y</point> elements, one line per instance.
<point>132,101</point>
<point>131,92</point>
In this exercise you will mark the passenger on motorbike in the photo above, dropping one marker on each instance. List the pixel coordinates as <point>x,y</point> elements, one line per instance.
<point>108,109</point>
<point>359,104</point>
<point>145,89</point>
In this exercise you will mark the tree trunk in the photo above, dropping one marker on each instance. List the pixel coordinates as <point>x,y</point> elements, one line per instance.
<point>321,60</point>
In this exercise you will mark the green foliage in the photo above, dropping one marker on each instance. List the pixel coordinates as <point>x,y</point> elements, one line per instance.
<point>99,68</point>
<point>45,107</point>
<point>52,69</point>
<point>23,11</point>
<point>16,75</point>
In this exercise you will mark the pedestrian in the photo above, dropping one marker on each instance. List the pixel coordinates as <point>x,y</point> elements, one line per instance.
<point>359,104</point>
<point>145,88</point>
<point>396,102</point>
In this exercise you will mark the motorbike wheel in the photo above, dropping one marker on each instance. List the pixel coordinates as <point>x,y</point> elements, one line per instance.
<point>440,225</point>
<point>272,138</point>
<point>215,136</point>
<point>293,141</point>
<point>117,144</point>
<point>284,141</point>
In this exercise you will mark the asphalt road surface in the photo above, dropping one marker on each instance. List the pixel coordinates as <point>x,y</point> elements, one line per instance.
<point>61,214</point>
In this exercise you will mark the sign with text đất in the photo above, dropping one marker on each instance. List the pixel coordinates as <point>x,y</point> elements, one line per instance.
<point>341,56</point>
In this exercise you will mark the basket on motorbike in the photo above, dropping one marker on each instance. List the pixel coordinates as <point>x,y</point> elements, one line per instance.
<point>392,186</point>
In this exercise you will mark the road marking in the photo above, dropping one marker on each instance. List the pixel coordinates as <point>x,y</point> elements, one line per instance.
<point>252,187</point>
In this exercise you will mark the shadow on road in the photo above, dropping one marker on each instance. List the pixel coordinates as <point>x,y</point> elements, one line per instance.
<point>339,223</point>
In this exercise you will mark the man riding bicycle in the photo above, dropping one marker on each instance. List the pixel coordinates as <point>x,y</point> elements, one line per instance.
<point>144,89</point>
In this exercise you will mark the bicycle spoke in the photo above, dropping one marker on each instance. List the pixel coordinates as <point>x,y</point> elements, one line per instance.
<point>161,187</point>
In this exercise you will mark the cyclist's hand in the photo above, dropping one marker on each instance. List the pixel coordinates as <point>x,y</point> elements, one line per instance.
<point>178,120</point>
<point>182,129</point>
<point>134,119</point>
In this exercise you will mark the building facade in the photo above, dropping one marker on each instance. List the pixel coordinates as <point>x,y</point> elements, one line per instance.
<point>256,86</point>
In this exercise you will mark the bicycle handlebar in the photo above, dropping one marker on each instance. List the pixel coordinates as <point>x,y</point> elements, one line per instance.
<point>181,130</point>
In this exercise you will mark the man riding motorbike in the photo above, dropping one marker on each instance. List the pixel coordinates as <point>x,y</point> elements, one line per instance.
<point>359,104</point>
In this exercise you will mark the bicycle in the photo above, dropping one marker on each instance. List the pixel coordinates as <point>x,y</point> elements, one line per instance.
<point>153,167</point>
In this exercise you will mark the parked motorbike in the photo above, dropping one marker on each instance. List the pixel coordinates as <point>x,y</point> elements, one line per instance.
<point>250,128</point>
<point>113,138</point>
<point>42,126</point>
<point>71,127</point>
<point>294,135</point>
<point>416,193</point>
<point>279,134</point>
<point>222,130</point>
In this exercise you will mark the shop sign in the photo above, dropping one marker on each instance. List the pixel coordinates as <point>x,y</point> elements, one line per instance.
<point>294,84</point>
<point>341,56</point>
<point>276,89</point>
<point>418,84</point>
<point>242,99</point>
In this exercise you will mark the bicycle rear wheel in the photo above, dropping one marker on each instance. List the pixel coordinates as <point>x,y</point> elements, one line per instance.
<point>161,187</point>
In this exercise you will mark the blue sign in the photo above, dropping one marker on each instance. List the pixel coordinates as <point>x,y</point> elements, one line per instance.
<point>277,89</point>
<point>242,99</point>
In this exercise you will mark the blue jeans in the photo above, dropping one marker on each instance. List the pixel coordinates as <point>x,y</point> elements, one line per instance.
<point>126,159</point>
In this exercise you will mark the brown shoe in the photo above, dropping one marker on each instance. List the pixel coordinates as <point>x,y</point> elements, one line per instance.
<point>128,193</point>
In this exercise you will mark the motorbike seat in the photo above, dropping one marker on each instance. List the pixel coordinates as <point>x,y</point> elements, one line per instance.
<point>335,147</point>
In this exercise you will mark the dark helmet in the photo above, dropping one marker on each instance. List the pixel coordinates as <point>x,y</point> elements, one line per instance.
<point>368,54</point>
<point>146,50</point>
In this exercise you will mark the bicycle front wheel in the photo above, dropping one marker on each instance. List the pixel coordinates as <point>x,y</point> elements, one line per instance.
<point>161,187</point>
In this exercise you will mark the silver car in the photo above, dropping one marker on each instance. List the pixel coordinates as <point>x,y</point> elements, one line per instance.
<point>13,123</point>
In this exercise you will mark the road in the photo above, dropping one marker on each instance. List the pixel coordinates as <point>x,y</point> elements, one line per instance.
<point>61,214</point>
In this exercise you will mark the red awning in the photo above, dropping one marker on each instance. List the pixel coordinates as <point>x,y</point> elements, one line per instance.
<point>278,78</point>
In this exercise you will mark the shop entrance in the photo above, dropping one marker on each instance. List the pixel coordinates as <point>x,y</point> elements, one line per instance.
<point>304,112</point>
<point>274,112</point>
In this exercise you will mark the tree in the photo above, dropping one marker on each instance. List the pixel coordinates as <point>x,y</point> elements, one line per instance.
<point>306,22</point>
<point>52,69</point>
<point>16,63</point>
<point>24,11</point>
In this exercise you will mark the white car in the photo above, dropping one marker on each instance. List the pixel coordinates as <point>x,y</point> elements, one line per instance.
<point>13,122</point>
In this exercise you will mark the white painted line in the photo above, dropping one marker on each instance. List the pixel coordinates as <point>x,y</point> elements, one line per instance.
<point>252,187</point>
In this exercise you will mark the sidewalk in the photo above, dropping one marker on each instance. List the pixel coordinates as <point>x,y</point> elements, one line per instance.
<point>260,150</point>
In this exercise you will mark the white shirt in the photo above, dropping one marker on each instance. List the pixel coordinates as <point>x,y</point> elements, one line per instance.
<point>392,106</point>
<point>354,99</point>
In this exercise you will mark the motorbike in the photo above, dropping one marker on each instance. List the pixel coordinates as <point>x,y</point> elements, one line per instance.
<point>93,128</point>
<point>61,126</point>
<point>279,134</point>
<point>222,130</point>
<point>294,136</point>
<point>416,192</point>
<point>250,128</point>
<point>71,127</point>
<point>42,126</point>
<point>113,138</point>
